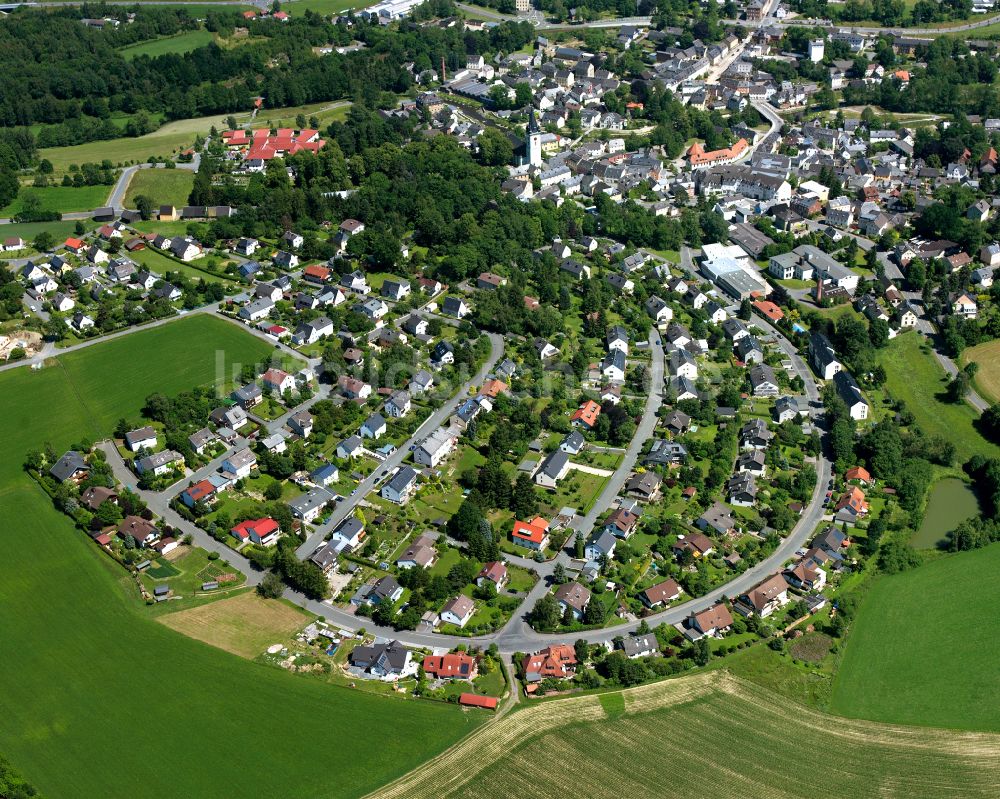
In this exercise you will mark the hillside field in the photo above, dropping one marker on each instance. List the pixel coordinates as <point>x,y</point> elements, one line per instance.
<point>708,734</point>
<point>163,186</point>
<point>101,700</point>
<point>178,44</point>
<point>175,136</point>
<point>923,649</point>
<point>987,379</point>
<point>914,376</point>
<point>61,199</point>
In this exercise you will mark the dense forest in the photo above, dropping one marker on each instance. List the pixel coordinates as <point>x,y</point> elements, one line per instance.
<point>81,84</point>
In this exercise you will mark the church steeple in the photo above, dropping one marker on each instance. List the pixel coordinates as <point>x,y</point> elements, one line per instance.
<point>534,143</point>
<point>533,123</point>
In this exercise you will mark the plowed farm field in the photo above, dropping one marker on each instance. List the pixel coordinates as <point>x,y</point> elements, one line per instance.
<point>703,735</point>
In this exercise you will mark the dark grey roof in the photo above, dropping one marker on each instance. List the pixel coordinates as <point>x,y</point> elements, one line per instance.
<point>402,479</point>
<point>68,465</point>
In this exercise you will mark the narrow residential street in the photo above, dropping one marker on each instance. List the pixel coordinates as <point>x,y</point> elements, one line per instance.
<point>346,506</point>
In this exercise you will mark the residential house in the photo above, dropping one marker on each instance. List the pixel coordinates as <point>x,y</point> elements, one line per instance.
<point>382,659</point>
<point>401,487</point>
<point>455,306</point>
<point>644,486</point>
<point>711,622</point>
<point>718,518</point>
<point>765,598</point>
<point>823,357</point>
<point>850,392</point>
<point>622,522</point>
<point>71,466</point>
<point>350,447</point>
<point>301,423</point>
<point>159,463</point>
<point>435,448</point>
<point>458,611</point>
<point>452,666</point>
<point>531,535</point>
<point>851,507</point>
<point>640,646</point>
<point>586,415</point>
<point>573,597</point>
<point>262,532</point>
<point>494,573</point>
<point>240,463</point>
<point>308,506</point>
<point>806,575</point>
<point>763,381</point>
<point>660,594</point>
<point>552,469</point>
<point>601,545</point>
<point>374,427</point>
<point>398,404</point>
<point>143,438</point>
<point>697,544</point>
<point>557,661</point>
<point>420,554</point>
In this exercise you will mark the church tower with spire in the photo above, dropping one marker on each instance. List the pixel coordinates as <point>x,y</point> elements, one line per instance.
<point>534,148</point>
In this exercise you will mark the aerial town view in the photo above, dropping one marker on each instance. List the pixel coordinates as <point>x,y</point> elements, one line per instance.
<point>446,400</point>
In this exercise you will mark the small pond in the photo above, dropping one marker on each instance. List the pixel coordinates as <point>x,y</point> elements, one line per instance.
<point>951,502</point>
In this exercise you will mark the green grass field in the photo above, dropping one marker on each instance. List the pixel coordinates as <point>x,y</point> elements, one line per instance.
<point>923,649</point>
<point>164,186</point>
<point>915,377</point>
<point>702,735</point>
<point>987,379</point>
<point>61,199</point>
<point>94,685</point>
<point>181,43</point>
<point>28,230</point>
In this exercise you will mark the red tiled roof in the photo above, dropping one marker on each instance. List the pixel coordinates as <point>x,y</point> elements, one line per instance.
<point>262,527</point>
<point>587,413</point>
<point>455,665</point>
<point>316,271</point>
<point>769,309</point>
<point>553,661</point>
<point>533,531</point>
<point>474,700</point>
<point>200,490</point>
<point>858,473</point>
<point>698,155</point>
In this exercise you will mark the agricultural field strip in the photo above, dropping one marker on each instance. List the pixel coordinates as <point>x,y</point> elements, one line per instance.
<point>772,718</point>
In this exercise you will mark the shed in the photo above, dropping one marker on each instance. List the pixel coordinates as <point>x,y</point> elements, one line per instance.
<point>474,700</point>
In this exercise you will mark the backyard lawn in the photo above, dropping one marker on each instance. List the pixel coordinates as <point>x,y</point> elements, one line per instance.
<point>161,264</point>
<point>185,570</point>
<point>915,377</point>
<point>68,610</point>
<point>923,649</point>
<point>163,186</point>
